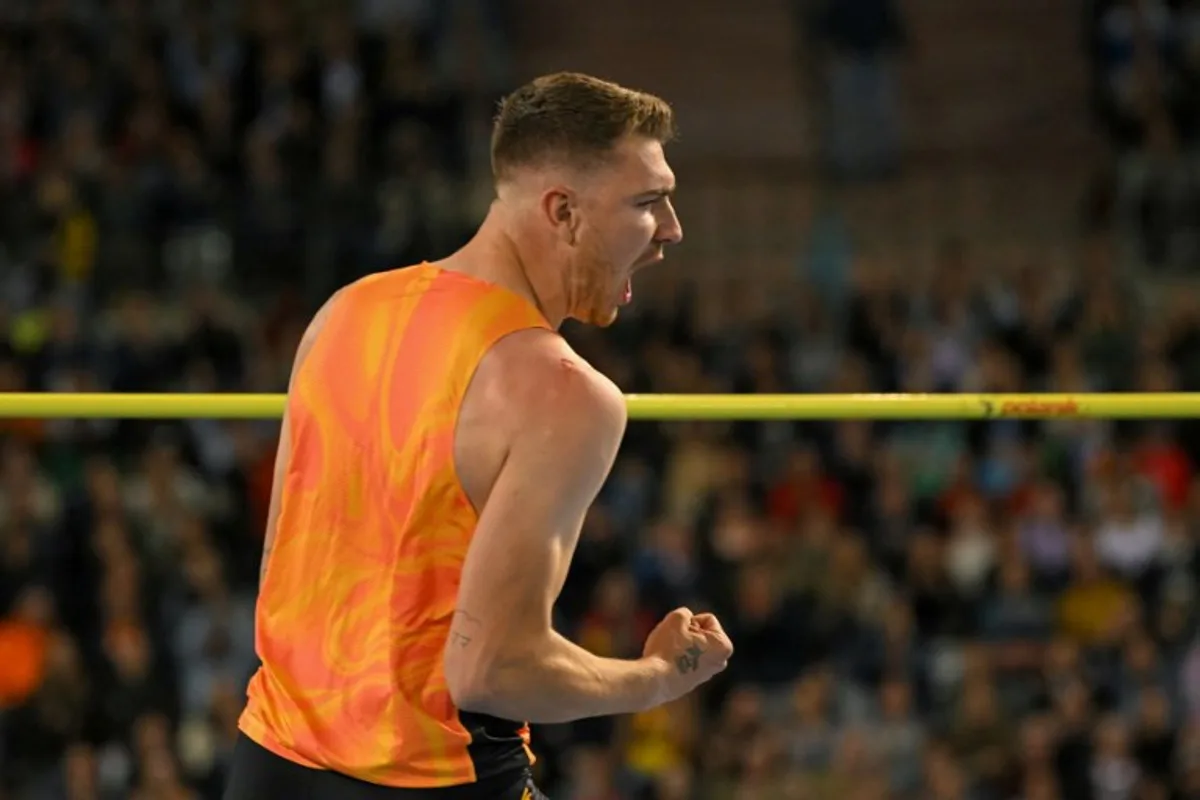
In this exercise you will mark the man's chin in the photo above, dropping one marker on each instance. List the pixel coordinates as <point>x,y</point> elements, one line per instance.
<point>606,319</point>
<point>600,317</point>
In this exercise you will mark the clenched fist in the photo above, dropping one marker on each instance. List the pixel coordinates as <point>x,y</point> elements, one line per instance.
<point>694,645</point>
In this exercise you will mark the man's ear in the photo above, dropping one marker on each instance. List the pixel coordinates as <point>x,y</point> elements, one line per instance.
<point>560,209</point>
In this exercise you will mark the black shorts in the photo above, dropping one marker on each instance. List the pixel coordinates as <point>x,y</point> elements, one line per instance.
<point>259,774</point>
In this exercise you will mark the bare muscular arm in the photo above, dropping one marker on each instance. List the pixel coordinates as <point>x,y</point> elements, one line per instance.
<point>503,657</point>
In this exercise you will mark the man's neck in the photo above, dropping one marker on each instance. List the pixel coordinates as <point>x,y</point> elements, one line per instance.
<point>495,255</point>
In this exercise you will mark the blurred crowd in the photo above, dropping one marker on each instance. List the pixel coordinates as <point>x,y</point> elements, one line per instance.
<point>1145,76</point>
<point>194,136</point>
<point>853,48</point>
<point>993,610</point>
<point>921,610</point>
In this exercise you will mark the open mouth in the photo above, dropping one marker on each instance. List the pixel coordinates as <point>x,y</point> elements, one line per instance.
<point>627,294</point>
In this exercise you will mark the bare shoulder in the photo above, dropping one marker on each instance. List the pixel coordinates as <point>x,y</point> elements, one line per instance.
<point>538,384</point>
<point>535,407</point>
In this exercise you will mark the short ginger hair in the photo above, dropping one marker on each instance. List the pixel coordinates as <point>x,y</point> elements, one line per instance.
<point>575,119</point>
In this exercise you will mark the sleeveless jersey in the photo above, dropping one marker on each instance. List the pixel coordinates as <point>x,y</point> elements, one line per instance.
<point>373,527</point>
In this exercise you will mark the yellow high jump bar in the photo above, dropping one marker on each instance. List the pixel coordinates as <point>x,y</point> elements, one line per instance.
<point>659,406</point>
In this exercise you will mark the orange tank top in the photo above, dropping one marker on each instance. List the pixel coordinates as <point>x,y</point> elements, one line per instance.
<point>372,530</point>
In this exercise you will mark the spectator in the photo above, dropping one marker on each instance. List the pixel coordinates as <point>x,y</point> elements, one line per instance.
<point>861,38</point>
<point>1095,609</point>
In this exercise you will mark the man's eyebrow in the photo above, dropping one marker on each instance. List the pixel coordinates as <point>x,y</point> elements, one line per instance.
<point>666,191</point>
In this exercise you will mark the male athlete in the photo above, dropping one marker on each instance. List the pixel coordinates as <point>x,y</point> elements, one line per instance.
<point>440,447</point>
